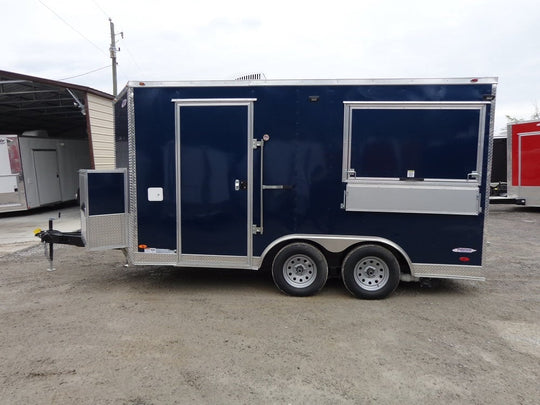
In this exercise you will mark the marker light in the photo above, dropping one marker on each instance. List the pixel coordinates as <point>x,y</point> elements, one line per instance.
<point>464,259</point>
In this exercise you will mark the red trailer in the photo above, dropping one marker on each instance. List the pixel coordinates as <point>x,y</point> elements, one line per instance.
<point>523,154</point>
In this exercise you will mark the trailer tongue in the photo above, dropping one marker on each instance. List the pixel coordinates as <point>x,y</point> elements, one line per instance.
<point>376,180</point>
<point>51,236</point>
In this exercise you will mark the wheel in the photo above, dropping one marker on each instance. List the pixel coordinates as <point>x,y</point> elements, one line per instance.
<point>370,272</point>
<point>299,269</point>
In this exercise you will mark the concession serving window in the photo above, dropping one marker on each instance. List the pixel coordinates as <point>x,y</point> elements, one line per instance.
<point>415,157</point>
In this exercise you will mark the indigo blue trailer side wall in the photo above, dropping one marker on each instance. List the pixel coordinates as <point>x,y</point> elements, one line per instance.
<point>305,151</point>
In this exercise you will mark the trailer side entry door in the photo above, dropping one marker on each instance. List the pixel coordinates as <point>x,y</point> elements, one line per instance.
<point>529,159</point>
<point>415,157</point>
<point>214,186</point>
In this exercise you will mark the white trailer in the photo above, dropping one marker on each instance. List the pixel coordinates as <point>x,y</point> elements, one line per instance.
<point>39,171</point>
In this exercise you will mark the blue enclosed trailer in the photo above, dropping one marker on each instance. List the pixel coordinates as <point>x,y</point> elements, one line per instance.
<point>381,180</point>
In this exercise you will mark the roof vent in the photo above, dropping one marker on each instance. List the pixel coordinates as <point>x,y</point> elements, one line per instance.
<point>252,76</point>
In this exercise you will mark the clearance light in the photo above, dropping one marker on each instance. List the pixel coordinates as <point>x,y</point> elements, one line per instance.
<point>143,246</point>
<point>464,259</point>
<point>474,80</point>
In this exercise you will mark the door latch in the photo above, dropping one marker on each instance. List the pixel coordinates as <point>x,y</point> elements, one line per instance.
<point>473,176</point>
<point>240,185</point>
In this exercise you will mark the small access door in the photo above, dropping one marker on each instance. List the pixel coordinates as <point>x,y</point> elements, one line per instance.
<point>214,181</point>
<point>47,176</point>
<point>103,203</point>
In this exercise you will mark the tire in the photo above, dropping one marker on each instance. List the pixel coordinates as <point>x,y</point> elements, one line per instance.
<point>370,272</point>
<point>299,269</point>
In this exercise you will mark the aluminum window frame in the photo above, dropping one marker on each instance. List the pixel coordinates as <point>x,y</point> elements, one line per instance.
<point>206,260</point>
<point>350,106</point>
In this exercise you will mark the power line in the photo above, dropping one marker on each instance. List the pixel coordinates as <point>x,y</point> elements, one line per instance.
<point>101,8</point>
<point>87,73</point>
<point>73,28</point>
<point>133,58</point>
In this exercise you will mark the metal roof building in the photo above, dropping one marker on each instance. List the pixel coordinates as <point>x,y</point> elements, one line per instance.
<point>63,110</point>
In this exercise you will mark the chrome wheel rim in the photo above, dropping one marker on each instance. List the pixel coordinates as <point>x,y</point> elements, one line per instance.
<point>299,271</point>
<point>371,273</point>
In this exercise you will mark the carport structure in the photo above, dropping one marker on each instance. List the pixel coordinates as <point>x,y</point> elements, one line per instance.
<point>61,109</point>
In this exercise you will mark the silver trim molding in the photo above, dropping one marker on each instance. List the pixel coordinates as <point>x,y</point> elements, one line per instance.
<point>194,260</point>
<point>521,135</point>
<point>205,102</point>
<point>132,178</point>
<point>348,174</point>
<point>320,82</point>
<point>337,243</point>
<point>457,272</point>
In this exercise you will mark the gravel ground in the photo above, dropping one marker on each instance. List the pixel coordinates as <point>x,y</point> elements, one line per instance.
<point>93,332</point>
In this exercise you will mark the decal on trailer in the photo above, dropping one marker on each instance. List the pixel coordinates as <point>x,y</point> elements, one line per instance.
<point>463,250</point>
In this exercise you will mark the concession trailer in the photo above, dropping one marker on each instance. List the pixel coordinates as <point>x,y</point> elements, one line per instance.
<point>374,180</point>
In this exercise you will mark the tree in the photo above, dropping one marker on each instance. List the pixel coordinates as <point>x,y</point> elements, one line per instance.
<point>534,116</point>
<point>512,119</point>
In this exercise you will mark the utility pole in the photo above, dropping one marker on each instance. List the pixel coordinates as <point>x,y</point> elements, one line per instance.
<point>113,50</point>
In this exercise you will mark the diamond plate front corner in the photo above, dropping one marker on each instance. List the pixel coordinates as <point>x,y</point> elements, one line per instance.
<point>106,232</point>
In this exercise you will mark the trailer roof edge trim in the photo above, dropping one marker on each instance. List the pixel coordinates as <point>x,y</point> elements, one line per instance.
<point>313,82</point>
<point>531,121</point>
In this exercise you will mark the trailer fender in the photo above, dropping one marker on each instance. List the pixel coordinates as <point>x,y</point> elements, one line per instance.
<point>337,243</point>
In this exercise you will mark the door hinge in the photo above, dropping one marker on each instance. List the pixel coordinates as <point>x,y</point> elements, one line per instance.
<point>256,229</point>
<point>257,143</point>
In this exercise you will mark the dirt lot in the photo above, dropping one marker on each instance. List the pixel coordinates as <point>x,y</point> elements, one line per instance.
<point>93,332</point>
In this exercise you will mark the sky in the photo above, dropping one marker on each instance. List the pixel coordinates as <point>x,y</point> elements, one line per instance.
<point>294,39</point>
